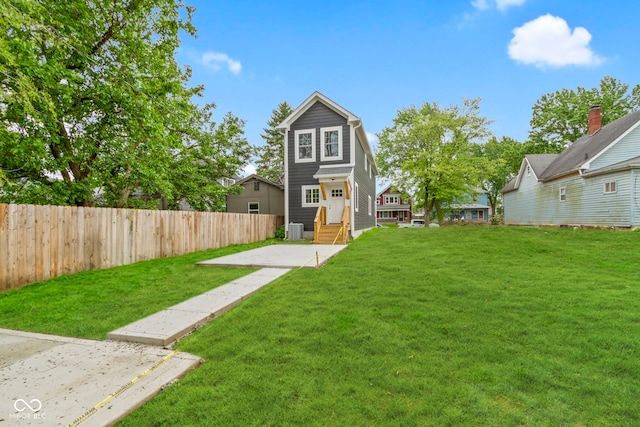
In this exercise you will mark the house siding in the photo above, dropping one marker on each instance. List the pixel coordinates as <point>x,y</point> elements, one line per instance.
<point>316,117</point>
<point>366,190</point>
<point>270,198</point>
<point>586,203</point>
<point>625,149</point>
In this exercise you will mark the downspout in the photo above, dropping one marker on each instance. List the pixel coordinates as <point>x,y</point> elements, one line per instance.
<point>632,202</point>
<point>353,125</point>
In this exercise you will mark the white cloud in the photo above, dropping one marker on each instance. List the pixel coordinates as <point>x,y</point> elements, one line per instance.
<point>547,41</point>
<point>216,60</point>
<point>501,5</point>
<point>249,170</point>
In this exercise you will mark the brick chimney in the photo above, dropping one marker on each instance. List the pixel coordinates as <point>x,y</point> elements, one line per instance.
<point>595,119</point>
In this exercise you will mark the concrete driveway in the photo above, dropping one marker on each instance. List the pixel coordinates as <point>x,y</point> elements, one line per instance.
<point>48,380</point>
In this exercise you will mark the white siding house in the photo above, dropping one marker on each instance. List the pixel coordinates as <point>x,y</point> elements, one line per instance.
<point>594,182</point>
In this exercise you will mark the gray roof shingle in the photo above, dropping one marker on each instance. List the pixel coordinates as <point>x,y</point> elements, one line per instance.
<point>587,147</point>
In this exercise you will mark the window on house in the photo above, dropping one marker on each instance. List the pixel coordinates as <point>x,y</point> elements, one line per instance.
<point>331,143</point>
<point>563,194</point>
<point>391,200</point>
<point>610,187</point>
<point>256,185</point>
<point>365,162</point>
<point>369,205</point>
<point>310,196</point>
<point>254,207</point>
<point>305,145</point>
<point>369,172</point>
<point>356,194</point>
<point>386,215</point>
<point>336,192</point>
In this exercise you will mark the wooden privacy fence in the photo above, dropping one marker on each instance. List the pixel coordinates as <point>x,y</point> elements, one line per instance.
<point>40,242</point>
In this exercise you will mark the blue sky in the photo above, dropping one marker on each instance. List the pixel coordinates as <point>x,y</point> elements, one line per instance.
<point>376,57</point>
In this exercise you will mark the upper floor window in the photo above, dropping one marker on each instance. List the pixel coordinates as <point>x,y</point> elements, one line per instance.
<point>305,145</point>
<point>331,143</point>
<point>256,185</point>
<point>391,200</point>
<point>563,194</point>
<point>610,187</point>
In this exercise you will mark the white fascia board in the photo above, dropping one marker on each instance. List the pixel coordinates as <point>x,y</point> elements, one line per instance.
<point>587,165</point>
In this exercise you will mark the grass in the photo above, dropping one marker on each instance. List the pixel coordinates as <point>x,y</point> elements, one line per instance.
<point>448,326</point>
<point>91,304</point>
<point>420,327</point>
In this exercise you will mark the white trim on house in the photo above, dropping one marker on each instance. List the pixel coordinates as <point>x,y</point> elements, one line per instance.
<point>255,210</point>
<point>587,165</point>
<point>299,133</point>
<point>286,182</point>
<point>356,198</point>
<point>323,143</point>
<point>610,187</point>
<point>309,199</point>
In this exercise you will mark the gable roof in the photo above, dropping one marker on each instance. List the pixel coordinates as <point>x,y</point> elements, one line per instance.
<point>259,178</point>
<point>352,119</point>
<point>538,164</point>
<point>586,148</point>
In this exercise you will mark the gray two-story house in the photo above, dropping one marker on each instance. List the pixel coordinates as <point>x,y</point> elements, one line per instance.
<point>330,172</point>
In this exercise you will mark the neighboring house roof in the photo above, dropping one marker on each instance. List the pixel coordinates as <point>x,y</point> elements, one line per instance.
<point>620,166</point>
<point>540,162</point>
<point>579,155</point>
<point>387,188</point>
<point>585,149</point>
<point>471,206</point>
<point>391,208</point>
<point>259,178</point>
<point>352,119</point>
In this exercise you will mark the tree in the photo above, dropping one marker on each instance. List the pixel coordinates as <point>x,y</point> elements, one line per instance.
<point>93,107</point>
<point>270,163</point>
<point>502,161</point>
<point>560,118</point>
<point>427,152</point>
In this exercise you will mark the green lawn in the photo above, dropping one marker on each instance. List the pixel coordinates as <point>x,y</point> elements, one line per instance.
<point>496,326</point>
<point>417,327</point>
<point>91,304</point>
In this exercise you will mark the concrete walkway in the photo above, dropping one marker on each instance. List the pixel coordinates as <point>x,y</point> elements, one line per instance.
<point>167,326</point>
<point>48,380</point>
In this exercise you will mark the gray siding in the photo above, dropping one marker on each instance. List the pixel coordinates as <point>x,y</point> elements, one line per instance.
<point>366,189</point>
<point>316,117</point>
<point>586,204</point>
<point>271,199</point>
<point>626,148</point>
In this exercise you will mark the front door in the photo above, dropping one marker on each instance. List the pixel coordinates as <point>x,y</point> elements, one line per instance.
<point>335,204</point>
